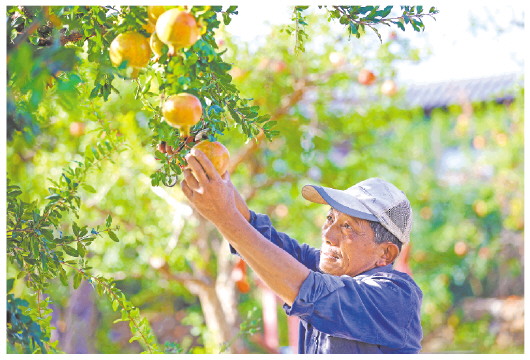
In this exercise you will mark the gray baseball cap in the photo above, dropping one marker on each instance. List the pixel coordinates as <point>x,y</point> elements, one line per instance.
<point>373,199</point>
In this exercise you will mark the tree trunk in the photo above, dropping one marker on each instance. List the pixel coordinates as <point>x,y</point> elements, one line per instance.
<point>81,318</point>
<point>215,319</point>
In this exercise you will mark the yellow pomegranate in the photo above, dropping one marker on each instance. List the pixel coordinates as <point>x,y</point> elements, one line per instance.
<point>153,12</point>
<point>182,111</point>
<point>149,27</point>
<point>131,47</point>
<point>178,29</point>
<point>217,153</point>
<point>156,45</point>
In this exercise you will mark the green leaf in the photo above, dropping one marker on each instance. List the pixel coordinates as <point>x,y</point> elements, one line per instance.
<point>113,236</point>
<point>75,229</point>
<point>217,109</point>
<point>354,29</point>
<point>88,188</point>
<point>77,279</point>
<point>10,283</point>
<point>101,17</point>
<point>134,338</point>
<point>68,181</point>
<point>269,125</point>
<point>226,19</point>
<point>95,91</point>
<point>115,304</point>
<point>94,152</point>
<point>48,234</point>
<point>344,19</point>
<point>34,248</point>
<point>62,276</point>
<point>364,9</point>
<point>44,261</point>
<point>184,80</point>
<point>70,251</point>
<point>234,115</point>
<point>83,231</point>
<point>108,222</point>
<point>36,216</point>
<point>81,249</point>
<point>14,193</point>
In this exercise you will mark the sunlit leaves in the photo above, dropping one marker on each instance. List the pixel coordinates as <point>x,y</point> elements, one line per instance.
<point>357,18</point>
<point>37,246</point>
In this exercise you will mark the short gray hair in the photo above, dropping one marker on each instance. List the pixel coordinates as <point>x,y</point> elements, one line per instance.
<point>382,235</point>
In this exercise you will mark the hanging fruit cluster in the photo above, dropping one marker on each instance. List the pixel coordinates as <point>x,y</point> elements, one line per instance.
<point>195,99</point>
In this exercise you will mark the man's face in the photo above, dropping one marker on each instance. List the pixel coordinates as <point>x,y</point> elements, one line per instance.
<point>348,246</point>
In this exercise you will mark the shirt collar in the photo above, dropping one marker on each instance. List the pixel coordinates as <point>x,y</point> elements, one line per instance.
<point>386,268</point>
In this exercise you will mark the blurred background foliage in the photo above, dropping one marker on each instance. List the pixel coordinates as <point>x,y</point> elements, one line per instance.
<point>461,167</point>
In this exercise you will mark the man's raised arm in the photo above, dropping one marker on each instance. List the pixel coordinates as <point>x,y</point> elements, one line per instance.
<point>214,198</point>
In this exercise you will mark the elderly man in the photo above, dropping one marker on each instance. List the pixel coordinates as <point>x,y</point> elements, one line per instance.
<point>347,296</point>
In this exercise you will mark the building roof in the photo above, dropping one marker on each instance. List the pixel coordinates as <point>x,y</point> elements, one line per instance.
<point>433,95</point>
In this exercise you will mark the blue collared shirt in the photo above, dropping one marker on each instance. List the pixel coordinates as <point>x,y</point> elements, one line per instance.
<point>377,311</point>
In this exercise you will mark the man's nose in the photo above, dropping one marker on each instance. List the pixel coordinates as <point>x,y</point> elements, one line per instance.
<point>330,235</point>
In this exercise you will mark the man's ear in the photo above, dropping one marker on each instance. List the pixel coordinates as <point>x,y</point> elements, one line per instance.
<point>389,254</point>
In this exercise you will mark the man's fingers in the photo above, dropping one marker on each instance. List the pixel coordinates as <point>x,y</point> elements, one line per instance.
<point>226,178</point>
<point>191,181</point>
<point>196,167</point>
<point>207,165</point>
<point>188,192</point>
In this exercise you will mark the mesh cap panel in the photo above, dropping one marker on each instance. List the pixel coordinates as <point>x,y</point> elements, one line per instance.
<point>389,205</point>
<point>399,220</point>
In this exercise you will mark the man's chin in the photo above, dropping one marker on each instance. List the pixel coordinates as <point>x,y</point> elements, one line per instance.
<point>326,269</point>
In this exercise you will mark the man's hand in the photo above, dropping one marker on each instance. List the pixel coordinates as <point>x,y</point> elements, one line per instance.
<point>211,194</point>
<point>191,181</point>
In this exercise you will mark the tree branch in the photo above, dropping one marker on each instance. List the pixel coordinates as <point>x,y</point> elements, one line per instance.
<point>300,89</point>
<point>193,282</point>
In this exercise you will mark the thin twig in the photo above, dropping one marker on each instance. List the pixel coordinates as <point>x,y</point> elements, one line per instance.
<point>381,21</point>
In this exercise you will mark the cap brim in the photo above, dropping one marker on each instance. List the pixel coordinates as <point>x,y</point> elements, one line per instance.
<point>339,200</point>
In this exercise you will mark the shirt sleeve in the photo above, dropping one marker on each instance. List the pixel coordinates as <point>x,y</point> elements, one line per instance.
<point>372,309</point>
<point>307,255</point>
